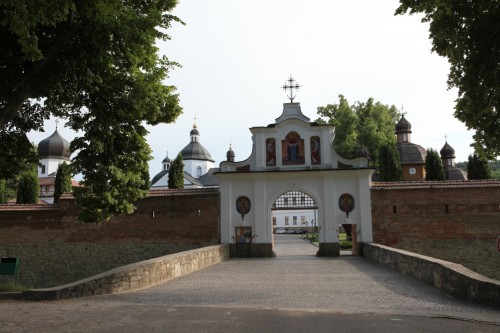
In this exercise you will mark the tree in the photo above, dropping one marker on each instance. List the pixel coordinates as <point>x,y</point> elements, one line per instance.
<point>369,124</point>
<point>433,166</point>
<point>466,32</point>
<point>3,192</point>
<point>478,168</point>
<point>62,181</point>
<point>95,64</point>
<point>28,188</point>
<point>389,164</point>
<point>17,154</point>
<point>176,173</point>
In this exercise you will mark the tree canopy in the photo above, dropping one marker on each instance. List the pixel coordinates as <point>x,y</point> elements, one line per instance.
<point>369,124</point>
<point>478,167</point>
<point>95,64</point>
<point>467,33</point>
<point>389,164</point>
<point>28,188</point>
<point>176,173</point>
<point>63,181</point>
<point>433,166</point>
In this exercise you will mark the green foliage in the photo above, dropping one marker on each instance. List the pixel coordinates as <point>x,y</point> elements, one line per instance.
<point>28,188</point>
<point>62,181</point>
<point>433,166</point>
<point>94,63</point>
<point>369,124</point>
<point>176,173</point>
<point>12,287</point>
<point>389,164</point>
<point>345,244</point>
<point>477,168</point>
<point>466,33</point>
<point>3,192</point>
<point>16,155</point>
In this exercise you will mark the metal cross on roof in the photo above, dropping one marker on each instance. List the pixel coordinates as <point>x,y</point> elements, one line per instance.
<point>291,85</point>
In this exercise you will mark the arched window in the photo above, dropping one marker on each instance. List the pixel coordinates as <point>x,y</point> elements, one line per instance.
<point>198,171</point>
<point>43,169</point>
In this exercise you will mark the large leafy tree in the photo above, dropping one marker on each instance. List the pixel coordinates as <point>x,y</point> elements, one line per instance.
<point>369,124</point>
<point>389,164</point>
<point>478,167</point>
<point>95,64</point>
<point>176,173</point>
<point>433,166</point>
<point>63,181</point>
<point>467,33</point>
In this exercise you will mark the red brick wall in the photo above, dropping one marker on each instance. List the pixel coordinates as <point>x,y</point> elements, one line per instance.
<point>188,217</point>
<point>440,211</point>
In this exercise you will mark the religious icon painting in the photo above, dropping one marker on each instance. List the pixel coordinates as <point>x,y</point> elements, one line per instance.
<point>292,149</point>
<point>243,206</point>
<point>346,203</point>
<point>315,150</point>
<point>270,152</point>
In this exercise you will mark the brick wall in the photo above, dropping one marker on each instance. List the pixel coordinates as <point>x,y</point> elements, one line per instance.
<point>54,248</point>
<point>451,220</point>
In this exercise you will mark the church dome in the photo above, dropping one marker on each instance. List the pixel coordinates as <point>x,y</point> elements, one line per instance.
<point>194,131</point>
<point>230,155</point>
<point>54,146</point>
<point>166,160</point>
<point>195,151</point>
<point>363,152</point>
<point>403,125</point>
<point>447,151</point>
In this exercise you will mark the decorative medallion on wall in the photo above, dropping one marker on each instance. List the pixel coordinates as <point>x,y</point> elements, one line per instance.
<point>243,206</point>
<point>315,150</point>
<point>346,203</point>
<point>270,152</point>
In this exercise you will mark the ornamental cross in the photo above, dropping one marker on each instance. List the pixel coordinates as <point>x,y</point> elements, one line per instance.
<point>290,85</point>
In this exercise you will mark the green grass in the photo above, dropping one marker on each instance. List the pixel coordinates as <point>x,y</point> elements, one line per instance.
<point>11,287</point>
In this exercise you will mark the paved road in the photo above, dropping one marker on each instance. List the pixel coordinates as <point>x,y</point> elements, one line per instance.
<point>295,292</point>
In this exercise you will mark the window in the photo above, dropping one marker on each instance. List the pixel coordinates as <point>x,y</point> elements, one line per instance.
<point>294,201</point>
<point>43,169</point>
<point>286,220</point>
<point>285,201</point>
<point>198,171</point>
<point>274,221</point>
<point>302,201</point>
<point>295,220</point>
<point>303,220</point>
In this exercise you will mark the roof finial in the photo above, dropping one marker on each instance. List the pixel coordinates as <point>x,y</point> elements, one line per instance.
<point>403,110</point>
<point>445,137</point>
<point>291,84</point>
<point>194,125</point>
<point>57,123</point>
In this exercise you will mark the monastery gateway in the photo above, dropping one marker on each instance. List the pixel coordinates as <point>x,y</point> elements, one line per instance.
<point>293,155</point>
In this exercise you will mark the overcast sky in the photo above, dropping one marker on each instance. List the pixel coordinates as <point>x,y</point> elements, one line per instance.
<point>235,56</point>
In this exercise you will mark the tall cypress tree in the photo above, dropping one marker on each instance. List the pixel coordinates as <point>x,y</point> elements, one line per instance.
<point>28,188</point>
<point>63,181</point>
<point>433,166</point>
<point>389,164</point>
<point>478,168</point>
<point>176,173</point>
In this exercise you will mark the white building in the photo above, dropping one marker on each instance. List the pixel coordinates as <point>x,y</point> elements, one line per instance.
<point>198,166</point>
<point>293,154</point>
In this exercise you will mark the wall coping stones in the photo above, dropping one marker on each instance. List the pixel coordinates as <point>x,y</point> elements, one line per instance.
<point>135,276</point>
<point>412,185</point>
<point>446,276</point>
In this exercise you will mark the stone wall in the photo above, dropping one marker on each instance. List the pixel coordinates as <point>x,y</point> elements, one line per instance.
<point>135,276</point>
<point>451,278</point>
<point>455,221</point>
<point>54,248</point>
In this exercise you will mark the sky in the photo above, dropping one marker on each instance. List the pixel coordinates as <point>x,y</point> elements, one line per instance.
<point>236,55</point>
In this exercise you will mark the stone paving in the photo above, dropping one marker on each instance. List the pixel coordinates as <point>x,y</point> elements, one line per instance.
<point>265,295</point>
<point>296,279</point>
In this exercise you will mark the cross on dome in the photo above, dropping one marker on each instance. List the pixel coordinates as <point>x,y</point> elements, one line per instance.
<point>291,85</point>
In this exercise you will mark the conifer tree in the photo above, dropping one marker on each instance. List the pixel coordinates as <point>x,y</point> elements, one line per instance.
<point>478,168</point>
<point>28,188</point>
<point>176,173</point>
<point>3,191</point>
<point>389,164</point>
<point>63,181</point>
<point>433,166</point>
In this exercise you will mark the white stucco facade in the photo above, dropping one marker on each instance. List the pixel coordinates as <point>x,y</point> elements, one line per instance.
<point>294,164</point>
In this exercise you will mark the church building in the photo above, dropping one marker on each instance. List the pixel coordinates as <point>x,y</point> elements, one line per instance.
<point>293,155</point>
<point>411,155</point>
<point>198,166</point>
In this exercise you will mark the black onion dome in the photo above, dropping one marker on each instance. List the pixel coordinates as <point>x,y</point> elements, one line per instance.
<point>447,151</point>
<point>54,146</point>
<point>166,160</point>
<point>230,153</point>
<point>403,125</point>
<point>363,152</point>
<point>194,131</point>
<point>195,151</point>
